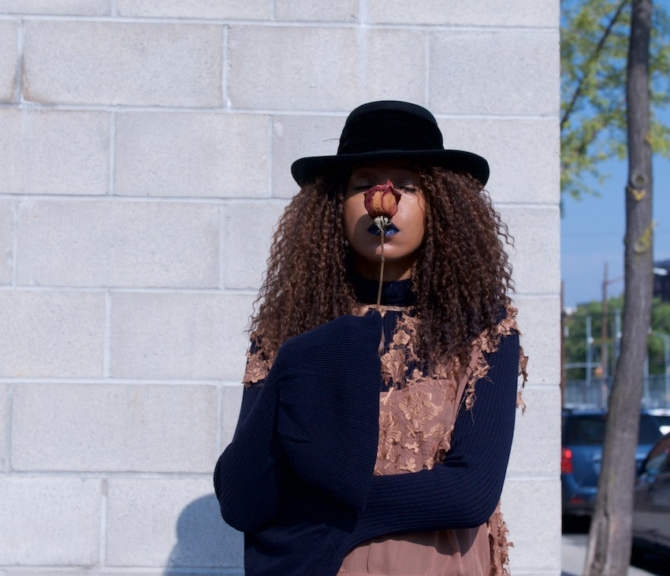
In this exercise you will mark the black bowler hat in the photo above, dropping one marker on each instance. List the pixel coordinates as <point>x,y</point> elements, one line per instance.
<point>389,130</point>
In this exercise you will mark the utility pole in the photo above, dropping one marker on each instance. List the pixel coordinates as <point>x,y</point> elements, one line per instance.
<point>603,330</point>
<point>562,344</point>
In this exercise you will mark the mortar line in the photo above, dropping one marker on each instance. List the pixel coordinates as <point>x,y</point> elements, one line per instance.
<point>103,522</point>
<point>111,191</point>
<point>112,474</point>
<point>426,94</point>
<point>219,418</point>
<point>271,156</point>
<point>121,381</point>
<point>214,201</point>
<point>363,12</point>
<point>41,569</point>
<point>107,350</point>
<point>273,10</point>
<point>135,290</point>
<point>257,111</point>
<point>252,292</point>
<point>15,245</point>
<point>222,230</point>
<point>114,10</point>
<point>225,99</point>
<point>20,43</point>
<point>9,398</point>
<point>280,23</point>
<point>549,478</point>
<point>281,202</point>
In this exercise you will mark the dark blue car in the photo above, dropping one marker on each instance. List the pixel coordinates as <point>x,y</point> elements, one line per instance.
<point>583,434</point>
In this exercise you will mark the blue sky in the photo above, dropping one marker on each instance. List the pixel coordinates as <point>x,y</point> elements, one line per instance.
<point>592,231</point>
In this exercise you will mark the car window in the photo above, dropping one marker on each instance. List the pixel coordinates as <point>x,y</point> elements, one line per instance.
<point>585,429</point>
<point>659,458</point>
<point>649,430</point>
<point>590,429</point>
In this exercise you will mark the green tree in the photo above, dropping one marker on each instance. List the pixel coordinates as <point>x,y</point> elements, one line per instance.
<point>575,341</point>
<point>594,49</point>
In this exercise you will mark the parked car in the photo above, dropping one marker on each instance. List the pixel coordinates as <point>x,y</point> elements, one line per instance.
<point>583,434</point>
<point>651,506</point>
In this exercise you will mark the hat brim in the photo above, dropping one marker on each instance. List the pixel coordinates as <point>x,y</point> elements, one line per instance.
<point>308,169</point>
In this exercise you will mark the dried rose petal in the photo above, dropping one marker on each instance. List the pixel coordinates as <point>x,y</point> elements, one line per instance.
<point>382,201</point>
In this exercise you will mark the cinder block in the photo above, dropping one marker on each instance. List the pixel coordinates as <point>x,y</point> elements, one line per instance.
<point>287,68</point>
<point>473,13</point>
<point>540,324</point>
<point>4,419</point>
<point>51,334</point>
<point>99,428</point>
<point>179,336</point>
<point>56,7</point>
<point>124,63</point>
<point>160,154</point>
<point>247,235</point>
<point>150,521</point>
<point>219,9</point>
<point>536,253</point>
<point>49,521</point>
<point>515,72</point>
<point>55,152</point>
<point>8,59</point>
<point>524,155</point>
<point>309,11</point>
<point>231,400</point>
<point>532,511</point>
<point>395,65</point>
<point>6,241</point>
<point>296,137</point>
<point>112,243</point>
<point>537,435</point>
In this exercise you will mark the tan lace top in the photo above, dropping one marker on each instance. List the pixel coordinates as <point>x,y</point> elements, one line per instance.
<point>416,420</point>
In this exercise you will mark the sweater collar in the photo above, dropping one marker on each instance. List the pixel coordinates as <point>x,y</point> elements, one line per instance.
<point>396,293</point>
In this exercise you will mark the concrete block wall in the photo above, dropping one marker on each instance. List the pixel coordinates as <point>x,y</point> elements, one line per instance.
<point>145,148</point>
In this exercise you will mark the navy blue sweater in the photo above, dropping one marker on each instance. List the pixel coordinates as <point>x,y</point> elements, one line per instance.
<point>298,480</point>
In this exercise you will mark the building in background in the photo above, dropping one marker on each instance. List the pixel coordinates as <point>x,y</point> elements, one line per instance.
<point>662,281</point>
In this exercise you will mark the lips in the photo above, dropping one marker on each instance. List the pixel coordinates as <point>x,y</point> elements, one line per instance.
<point>391,230</point>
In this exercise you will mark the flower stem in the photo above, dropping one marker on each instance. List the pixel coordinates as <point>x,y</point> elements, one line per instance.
<point>381,269</point>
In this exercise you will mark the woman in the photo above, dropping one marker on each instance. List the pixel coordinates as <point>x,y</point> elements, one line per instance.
<point>376,425</point>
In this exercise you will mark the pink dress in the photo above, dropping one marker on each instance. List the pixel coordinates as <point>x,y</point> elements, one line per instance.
<point>416,420</point>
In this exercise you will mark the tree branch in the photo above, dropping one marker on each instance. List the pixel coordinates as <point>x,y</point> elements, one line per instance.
<point>591,60</point>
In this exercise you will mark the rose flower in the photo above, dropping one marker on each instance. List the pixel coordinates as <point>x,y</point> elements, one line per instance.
<point>382,201</point>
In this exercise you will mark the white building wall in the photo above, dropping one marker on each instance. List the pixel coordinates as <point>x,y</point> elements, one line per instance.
<point>145,148</point>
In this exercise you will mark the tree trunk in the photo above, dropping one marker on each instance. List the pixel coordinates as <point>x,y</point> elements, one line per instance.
<point>610,537</point>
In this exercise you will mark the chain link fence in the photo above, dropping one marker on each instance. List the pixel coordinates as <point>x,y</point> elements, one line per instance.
<point>595,394</point>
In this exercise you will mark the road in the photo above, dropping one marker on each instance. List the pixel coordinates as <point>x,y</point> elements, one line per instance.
<point>573,552</point>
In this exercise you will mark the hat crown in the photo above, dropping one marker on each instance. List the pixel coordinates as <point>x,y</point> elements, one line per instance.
<point>389,130</point>
<point>389,125</point>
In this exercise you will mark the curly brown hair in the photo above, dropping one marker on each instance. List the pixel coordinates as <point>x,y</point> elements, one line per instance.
<point>461,275</point>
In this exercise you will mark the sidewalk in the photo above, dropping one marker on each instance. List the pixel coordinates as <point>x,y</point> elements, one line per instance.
<point>573,553</point>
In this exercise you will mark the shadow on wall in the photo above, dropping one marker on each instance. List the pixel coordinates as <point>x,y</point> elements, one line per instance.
<point>205,542</point>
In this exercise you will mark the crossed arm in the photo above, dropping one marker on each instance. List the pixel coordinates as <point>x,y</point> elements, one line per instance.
<point>282,425</point>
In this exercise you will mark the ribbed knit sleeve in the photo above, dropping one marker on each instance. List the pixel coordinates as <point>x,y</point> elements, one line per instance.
<point>462,491</point>
<point>330,392</point>
<point>322,388</point>
<point>247,477</point>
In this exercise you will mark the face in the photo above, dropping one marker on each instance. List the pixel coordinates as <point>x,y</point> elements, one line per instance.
<point>404,237</point>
